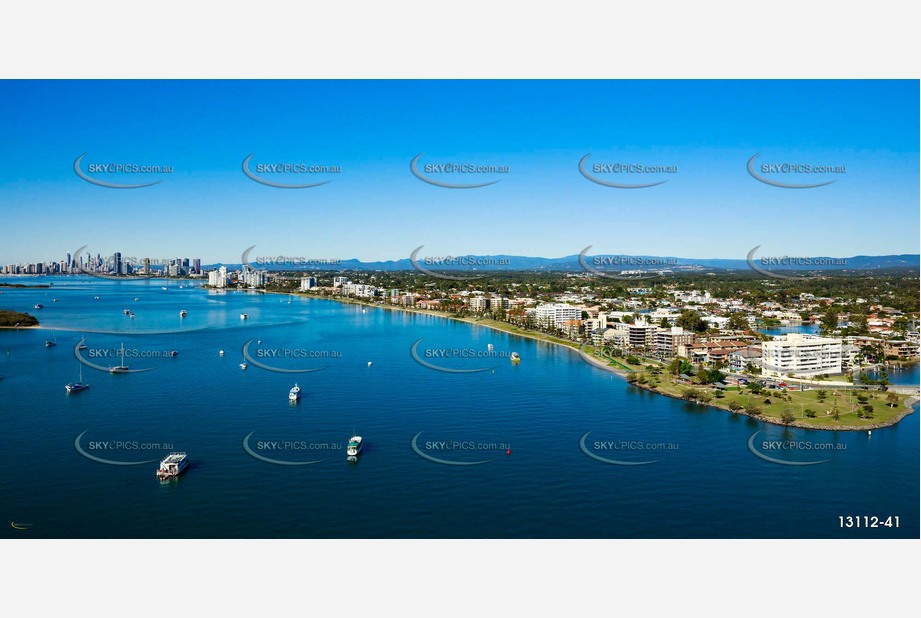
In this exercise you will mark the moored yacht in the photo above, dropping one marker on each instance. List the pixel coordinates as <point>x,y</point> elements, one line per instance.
<point>122,368</point>
<point>79,385</point>
<point>183,313</point>
<point>295,393</point>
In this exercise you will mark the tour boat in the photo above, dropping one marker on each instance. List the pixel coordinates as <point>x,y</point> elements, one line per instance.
<point>172,465</point>
<point>354,448</point>
<point>295,393</point>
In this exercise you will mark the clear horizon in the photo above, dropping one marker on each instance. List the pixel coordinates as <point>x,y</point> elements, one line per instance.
<point>375,210</point>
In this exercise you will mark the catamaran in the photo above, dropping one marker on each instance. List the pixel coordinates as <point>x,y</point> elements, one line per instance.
<point>79,385</point>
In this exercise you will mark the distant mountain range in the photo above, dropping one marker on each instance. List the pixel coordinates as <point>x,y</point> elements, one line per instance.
<point>571,263</point>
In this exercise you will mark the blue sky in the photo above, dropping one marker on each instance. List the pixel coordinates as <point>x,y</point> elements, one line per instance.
<point>376,209</point>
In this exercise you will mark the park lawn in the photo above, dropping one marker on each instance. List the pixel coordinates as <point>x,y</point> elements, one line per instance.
<point>799,401</point>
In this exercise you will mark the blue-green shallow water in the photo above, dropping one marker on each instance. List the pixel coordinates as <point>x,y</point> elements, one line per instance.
<point>710,486</point>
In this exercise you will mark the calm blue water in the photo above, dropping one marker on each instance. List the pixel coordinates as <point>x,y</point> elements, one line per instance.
<point>711,485</point>
<point>808,329</point>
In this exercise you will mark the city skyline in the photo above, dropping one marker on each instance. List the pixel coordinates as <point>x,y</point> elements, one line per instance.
<point>374,208</point>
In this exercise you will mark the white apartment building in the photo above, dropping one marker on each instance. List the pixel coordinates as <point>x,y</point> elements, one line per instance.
<point>218,278</point>
<point>478,304</point>
<point>308,283</point>
<point>359,289</point>
<point>555,314</point>
<point>801,355</point>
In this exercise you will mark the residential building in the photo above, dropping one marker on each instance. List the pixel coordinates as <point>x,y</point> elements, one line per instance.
<point>801,355</point>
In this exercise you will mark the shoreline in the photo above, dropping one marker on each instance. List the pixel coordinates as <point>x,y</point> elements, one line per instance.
<point>907,406</point>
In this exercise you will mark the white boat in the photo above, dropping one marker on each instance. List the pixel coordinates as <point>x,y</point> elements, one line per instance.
<point>39,306</point>
<point>77,386</point>
<point>172,465</point>
<point>295,393</point>
<point>221,353</point>
<point>122,368</point>
<point>243,365</point>
<point>489,347</point>
<point>354,447</point>
<point>127,311</point>
<point>515,358</point>
<point>52,343</point>
<point>243,316</point>
<point>183,313</point>
<point>82,345</point>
